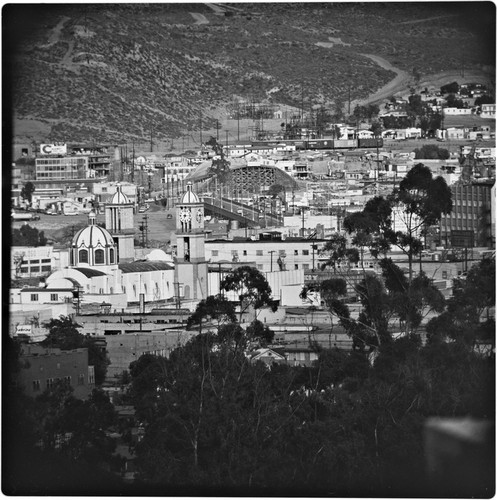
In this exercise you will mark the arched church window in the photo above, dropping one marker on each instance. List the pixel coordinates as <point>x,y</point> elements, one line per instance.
<point>83,256</point>
<point>134,290</point>
<point>99,256</point>
<point>111,255</point>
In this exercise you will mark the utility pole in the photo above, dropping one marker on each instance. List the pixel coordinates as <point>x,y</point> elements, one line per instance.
<point>238,121</point>
<point>178,298</point>
<point>271,252</point>
<point>133,164</point>
<point>314,247</point>
<point>144,230</point>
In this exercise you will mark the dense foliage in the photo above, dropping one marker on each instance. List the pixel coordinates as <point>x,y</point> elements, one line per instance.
<point>27,236</point>
<point>64,334</point>
<point>352,424</point>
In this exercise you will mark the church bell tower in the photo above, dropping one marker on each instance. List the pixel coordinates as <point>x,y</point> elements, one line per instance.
<point>191,266</point>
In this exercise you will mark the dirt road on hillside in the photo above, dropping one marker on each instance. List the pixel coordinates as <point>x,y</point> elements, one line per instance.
<point>401,83</point>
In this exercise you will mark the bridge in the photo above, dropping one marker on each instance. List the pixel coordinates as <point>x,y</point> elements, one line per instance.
<point>246,215</point>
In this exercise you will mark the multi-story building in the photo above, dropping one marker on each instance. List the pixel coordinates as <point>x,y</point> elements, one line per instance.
<point>41,368</point>
<point>27,262</point>
<point>487,111</point>
<point>270,252</point>
<point>472,213</point>
<point>58,162</point>
<point>62,168</point>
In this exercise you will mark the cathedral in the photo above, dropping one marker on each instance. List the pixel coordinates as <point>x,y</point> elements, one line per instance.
<point>102,267</point>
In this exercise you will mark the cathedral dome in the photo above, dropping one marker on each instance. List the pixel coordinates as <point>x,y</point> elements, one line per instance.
<point>93,245</point>
<point>119,197</point>
<point>189,196</point>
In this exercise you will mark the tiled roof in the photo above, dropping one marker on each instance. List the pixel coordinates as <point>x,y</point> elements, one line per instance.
<point>140,267</point>
<point>89,273</point>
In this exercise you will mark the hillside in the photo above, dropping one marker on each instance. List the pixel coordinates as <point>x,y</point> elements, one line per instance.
<point>121,72</point>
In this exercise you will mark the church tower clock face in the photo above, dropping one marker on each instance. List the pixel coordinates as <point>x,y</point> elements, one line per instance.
<point>200,215</point>
<point>185,215</point>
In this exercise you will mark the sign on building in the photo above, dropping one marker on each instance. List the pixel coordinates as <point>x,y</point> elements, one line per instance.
<point>462,238</point>
<point>24,329</point>
<point>53,149</point>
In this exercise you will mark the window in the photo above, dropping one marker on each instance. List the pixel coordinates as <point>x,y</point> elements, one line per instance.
<point>296,266</point>
<point>50,383</point>
<point>36,386</point>
<point>245,252</point>
<point>295,252</point>
<point>34,297</point>
<point>83,256</point>
<point>67,380</point>
<point>444,275</point>
<point>81,379</point>
<point>305,252</point>
<point>46,261</point>
<point>258,253</point>
<point>46,268</point>
<point>111,255</point>
<point>215,253</point>
<point>54,297</point>
<point>35,269</point>
<point>260,267</point>
<point>99,256</point>
<point>305,266</point>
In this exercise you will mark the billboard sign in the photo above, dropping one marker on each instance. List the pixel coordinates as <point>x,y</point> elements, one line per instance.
<point>462,239</point>
<point>53,149</point>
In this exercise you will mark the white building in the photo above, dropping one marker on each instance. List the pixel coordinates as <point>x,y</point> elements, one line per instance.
<point>487,111</point>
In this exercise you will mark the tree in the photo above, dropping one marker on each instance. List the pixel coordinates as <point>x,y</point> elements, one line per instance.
<point>484,99</point>
<point>450,88</point>
<point>28,236</point>
<point>376,128</point>
<point>466,318</point>
<point>64,334</point>
<point>252,288</point>
<point>331,291</point>
<point>372,227</point>
<point>420,200</point>
<point>431,152</point>
<point>220,165</point>
<point>216,308</point>
<point>337,252</point>
<point>259,332</point>
<point>275,189</point>
<point>27,191</point>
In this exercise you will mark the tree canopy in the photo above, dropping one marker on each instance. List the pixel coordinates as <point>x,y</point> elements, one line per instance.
<point>64,334</point>
<point>27,236</point>
<point>251,286</point>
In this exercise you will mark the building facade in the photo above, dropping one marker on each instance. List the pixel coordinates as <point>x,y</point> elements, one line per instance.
<point>471,212</point>
<point>41,368</point>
